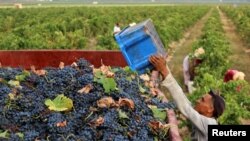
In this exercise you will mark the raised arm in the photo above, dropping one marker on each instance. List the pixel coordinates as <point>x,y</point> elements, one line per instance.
<point>178,95</point>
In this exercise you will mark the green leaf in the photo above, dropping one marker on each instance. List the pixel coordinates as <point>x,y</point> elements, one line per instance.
<point>129,78</point>
<point>14,83</point>
<point>20,135</point>
<point>22,76</point>
<point>109,84</point>
<point>128,70</point>
<point>142,90</point>
<point>115,69</point>
<point>158,113</point>
<point>11,96</point>
<point>60,103</point>
<point>4,134</point>
<point>122,115</point>
<point>96,79</point>
<point>98,74</point>
<point>3,81</point>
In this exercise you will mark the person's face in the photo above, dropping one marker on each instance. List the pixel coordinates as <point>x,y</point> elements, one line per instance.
<point>197,61</point>
<point>205,106</point>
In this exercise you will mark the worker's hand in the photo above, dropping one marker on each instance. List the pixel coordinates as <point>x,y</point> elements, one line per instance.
<point>159,62</point>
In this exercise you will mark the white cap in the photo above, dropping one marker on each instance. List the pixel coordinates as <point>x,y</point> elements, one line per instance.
<point>199,51</point>
<point>132,24</point>
<point>239,76</point>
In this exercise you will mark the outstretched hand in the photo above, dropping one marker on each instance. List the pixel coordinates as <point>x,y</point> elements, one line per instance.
<point>159,63</point>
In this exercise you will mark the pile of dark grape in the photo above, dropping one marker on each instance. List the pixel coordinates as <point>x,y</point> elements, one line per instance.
<point>24,115</point>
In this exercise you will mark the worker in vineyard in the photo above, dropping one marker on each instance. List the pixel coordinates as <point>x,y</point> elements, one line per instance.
<point>233,74</point>
<point>117,28</point>
<point>205,112</point>
<point>189,64</point>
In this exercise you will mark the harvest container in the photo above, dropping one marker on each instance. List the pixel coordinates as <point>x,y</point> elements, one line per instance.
<point>137,43</point>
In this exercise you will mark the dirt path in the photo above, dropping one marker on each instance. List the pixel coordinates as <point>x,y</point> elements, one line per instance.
<point>178,50</point>
<point>240,55</point>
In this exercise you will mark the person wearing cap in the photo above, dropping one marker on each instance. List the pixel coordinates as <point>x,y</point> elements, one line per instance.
<point>204,113</point>
<point>116,28</point>
<point>234,75</point>
<point>189,64</point>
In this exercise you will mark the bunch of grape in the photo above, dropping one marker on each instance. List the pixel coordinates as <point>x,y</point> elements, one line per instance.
<point>24,115</point>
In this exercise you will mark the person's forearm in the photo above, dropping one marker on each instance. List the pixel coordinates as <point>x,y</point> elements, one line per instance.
<point>164,73</point>
<point>183,103</point>
<point>176,92</point>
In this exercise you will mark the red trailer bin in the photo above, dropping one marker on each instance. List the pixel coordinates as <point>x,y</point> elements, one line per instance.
<point>52,58</point>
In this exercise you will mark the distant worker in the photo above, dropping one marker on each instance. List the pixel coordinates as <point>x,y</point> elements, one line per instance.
<point>132,24</point>
<point>232,74</point>
<point>189,65</point>
<point>116,28</point>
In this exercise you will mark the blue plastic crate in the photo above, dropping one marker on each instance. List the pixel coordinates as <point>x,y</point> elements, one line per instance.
<point>137,43</point>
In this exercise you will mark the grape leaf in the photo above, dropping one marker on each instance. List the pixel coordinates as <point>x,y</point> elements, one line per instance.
<point>109,84</point>
<point>22,76</point>
<point>98,75</point>
<point>3,81</point>
<point>4,134</point>
<point>158,113</point>
<point>129,78</point>
<point>60,103</point>
<point>156,139</point>
<point>126,102</point>
<point>11,96</point>
<point>86,89</point>
<point>97,122</point>
<point>122,115</point>
<point>14,83</point>
<point>106,102</point>
<point>107,71</point>
<point>142,90</point>
<point>20,135</point>
<point>115,69</point>
<point>127,69</point>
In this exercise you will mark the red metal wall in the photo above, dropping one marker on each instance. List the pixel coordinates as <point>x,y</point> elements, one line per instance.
<point>45,58</point>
